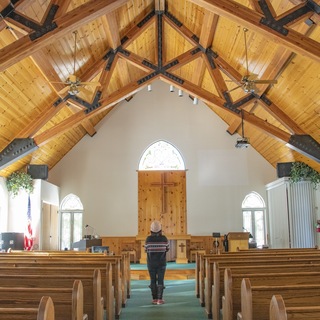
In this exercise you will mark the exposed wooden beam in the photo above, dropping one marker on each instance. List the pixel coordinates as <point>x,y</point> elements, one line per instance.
<point>113,37</point>
<point>251,19</point>
<point>208,29</point>
<point>216,77</point>
<point>77,118</point>
<point>63,6</point>
<point>87,125</point>
<point>182,30</point>
<point>32,128</point>
<point>282,117</point>
<point>72,20</point>
<point>137,30</point>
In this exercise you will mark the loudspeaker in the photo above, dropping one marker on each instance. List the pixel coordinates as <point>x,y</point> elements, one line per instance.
<point>13,240</point>
<point>38,171</point>
<point>284,169</point>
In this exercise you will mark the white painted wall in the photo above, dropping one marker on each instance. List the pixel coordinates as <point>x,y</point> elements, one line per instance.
<point>101,170</point>
<point>18,206</point>
<point>3,205</point>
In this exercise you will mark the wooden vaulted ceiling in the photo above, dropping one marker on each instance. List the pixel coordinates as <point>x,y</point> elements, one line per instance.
<point>195,45</point>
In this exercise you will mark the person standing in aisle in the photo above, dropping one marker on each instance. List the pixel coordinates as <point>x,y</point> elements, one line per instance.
<point>156,247</point>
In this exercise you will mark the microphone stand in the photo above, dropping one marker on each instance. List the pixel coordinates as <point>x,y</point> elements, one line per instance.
<point>92,232</point>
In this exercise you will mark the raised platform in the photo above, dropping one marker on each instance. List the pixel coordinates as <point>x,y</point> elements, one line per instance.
<point>174,271</point>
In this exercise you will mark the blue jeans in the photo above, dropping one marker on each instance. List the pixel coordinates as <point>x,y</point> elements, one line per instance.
<point>157,276</point>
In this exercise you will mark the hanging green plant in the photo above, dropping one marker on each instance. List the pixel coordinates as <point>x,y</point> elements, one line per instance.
<point>19,180</point>
<point>301,171</point>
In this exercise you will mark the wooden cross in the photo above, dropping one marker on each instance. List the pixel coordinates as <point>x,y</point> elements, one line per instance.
<point>182,245</point>
<point>163,184</point>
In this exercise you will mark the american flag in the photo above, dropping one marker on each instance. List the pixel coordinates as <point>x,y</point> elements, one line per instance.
<point>28,240</point>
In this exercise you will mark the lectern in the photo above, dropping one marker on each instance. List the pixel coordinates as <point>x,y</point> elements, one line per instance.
<point>83,244</point>
<point>238,240</point>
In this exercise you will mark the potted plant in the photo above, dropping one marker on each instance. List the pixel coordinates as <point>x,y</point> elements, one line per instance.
<point>301,171</point>
<point>19,180</point>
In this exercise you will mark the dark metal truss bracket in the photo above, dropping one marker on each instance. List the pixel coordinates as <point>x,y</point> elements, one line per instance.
<point>234,106</point>
<point>16,150</point>
<point>89,106</point>
<point>278,25</point>
<point>306,145</point>
<point>39,30</point>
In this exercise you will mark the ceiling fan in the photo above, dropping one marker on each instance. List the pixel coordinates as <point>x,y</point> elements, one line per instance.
<point>249,81</point>
<point>73,83</point>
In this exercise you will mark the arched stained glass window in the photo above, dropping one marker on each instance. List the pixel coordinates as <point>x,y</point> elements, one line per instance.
<point>161,155</point>
<point>253,200</point>
<point>71,202</point>
<point>71,220</point>
<point>254,220</point>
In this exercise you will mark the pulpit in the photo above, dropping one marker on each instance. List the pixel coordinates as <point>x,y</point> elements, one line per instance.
<point>238,240</point>
<point>84,244</point>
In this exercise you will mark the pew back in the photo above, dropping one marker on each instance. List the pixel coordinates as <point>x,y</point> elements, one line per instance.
<point>279,311</point>
<point>45,311</point>
<point>255,300</point>
<point>68,302</point>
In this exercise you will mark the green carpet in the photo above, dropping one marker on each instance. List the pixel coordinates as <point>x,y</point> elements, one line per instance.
<point>170,265</point>
<point>180,302</point>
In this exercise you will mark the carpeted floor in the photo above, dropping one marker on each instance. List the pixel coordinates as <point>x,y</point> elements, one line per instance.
<point>180,302</point>
<point>170,265</point>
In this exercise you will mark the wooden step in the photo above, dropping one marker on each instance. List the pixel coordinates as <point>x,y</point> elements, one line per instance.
<point>171,274</point>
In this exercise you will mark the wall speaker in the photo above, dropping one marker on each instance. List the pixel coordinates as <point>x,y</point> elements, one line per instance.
<point>284,169</point>
<point>38,171</point>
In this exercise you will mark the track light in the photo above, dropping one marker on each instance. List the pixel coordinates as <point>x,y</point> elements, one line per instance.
<point>171,88</point>
<point>180,93</point>
<point>149,87</point>
<point>195,100</point>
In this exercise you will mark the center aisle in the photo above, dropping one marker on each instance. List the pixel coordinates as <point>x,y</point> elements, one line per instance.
<point>180,302</point>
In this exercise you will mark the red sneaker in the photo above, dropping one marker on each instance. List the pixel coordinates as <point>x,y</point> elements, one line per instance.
<point>160,301</point>
<point>155,301</point>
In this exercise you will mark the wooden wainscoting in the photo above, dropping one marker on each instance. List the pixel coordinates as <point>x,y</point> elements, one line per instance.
<point>204,244</point>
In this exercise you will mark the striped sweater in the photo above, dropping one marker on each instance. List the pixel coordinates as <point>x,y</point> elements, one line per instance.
<point>156,247</point>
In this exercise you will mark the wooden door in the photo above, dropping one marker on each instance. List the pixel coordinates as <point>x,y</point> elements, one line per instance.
<point>49,227</point>
<point>162,196</point>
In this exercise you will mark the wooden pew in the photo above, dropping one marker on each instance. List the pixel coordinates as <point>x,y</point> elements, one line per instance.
<point>206,281</point>
<point>279,311</point>
<point>91,282</point>
<point>278,250</point>
<point>121,271</point>
<point>255,300</point>
<point>219,280</point>
<point>68,302</point>
<point>102,283</point>
<point>77,261</point>
<point>231,302</point>
<point>45,311</point>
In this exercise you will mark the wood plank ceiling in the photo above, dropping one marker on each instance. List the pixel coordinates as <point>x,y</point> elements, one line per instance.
<point>195,45</point>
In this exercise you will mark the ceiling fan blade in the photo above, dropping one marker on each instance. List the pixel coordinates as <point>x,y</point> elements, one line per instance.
<point>265,81</point>
<point>252,76</point>
<point>64,90</point>
<point>234,88</point>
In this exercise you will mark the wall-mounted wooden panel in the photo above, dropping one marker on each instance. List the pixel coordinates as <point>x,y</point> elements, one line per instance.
<point>162,196</point>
